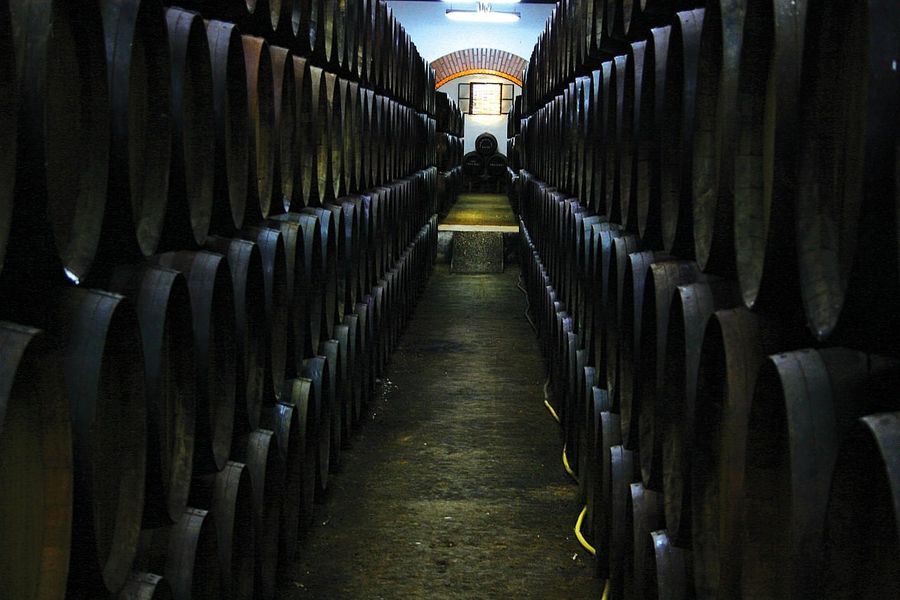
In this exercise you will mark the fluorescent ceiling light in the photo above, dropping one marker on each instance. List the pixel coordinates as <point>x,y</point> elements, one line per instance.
<point>478,1</point>
<point>482,16</point>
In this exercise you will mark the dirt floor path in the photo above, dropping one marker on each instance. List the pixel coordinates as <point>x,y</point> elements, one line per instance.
<point>454,487</point>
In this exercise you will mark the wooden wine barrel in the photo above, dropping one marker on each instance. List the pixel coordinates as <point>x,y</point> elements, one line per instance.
<point>672,566</point>
<point>331,350</point>
<point>138,67</point>
<point>325,49</point>
<point>267,469</point>
<point>620,535</point>
<point>300,394</point>
<point>486,144</point>
<point>585,438</point>
<point>100,338</point>
<point>229,76</point>
<point>274,262</point>
<point>366,175</point>
<point>733,350</point>
<point>364,245</point>
<point>653,104</point>
<point>261,108</point>
<point>346,222</point>
<point>36,466</point>
<point>692,306</point>
<point>62,157</point>
<point>677,137</point>
<point>313,284</point>
<point>620,250</point>
<point>356,380</point>
<point>714,135</point>
<point>803,405</point>
<point>188,214</point>
<point>247,277</point>
<point>609,434</point>
<point>861,523</point>
<point>146,586</point>
<point>323,185</point>
<point>496,166</point>
<point>473,164</point>
<point>297,289</point>
<point>333,142</point>
<point>767,96</point>
<point>284,20</point>
<point>365,311</point>
<point>317,370</point>
<point>306,12</point>
<point>306,98</point>
<point>631,126</point>
<point>163,305</point>
<point>285,421</point>
<point>329,254</point>
<point>847,183</point>
<point>646,516</point>
<point>613,136</point>
<point>212,307</point>
<point>659,289</point>
<point>346,338</point>
<point>352,135</point>
<point>228,496</point>
<point>604,243</point>
<point>285,98</point>
<point>191,563</point>
<point>349,35</point>
<point>631,378</point>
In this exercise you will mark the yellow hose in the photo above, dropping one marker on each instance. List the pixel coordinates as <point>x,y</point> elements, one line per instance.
<point>569,471</point>
<point>565,460</point>
<point>552,412</point>
<point>581,539</point>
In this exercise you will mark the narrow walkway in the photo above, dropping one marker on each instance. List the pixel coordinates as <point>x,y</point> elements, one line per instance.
<point>454,488</point>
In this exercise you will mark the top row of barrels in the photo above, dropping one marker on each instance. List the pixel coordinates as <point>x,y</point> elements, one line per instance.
<point>129,128</point>
<point>755,137</point>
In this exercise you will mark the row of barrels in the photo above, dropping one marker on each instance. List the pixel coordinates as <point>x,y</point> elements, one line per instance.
<point>358,39</point>
<point>476,165</point>
<point>757,138</point>
<point>450,184</point>
<point>713,461</point>
<point>582,33</point>
<point>448,115</point>
<point>131,129</point>
<point>168,434</point>
<point>514,154</point>
<point>448,150</point>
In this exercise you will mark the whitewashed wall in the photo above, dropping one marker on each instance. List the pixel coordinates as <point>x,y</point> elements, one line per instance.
<point>478,124</point>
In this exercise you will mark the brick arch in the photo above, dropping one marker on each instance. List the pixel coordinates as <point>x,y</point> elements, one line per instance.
<point>473,61</point>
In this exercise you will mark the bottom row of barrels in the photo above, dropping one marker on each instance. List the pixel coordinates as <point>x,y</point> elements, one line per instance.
<point>732,470</point>
<point>128,524</point>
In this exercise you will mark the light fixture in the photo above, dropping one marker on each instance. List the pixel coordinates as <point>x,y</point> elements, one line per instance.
<point>483,14</point>
<point>478,1</point>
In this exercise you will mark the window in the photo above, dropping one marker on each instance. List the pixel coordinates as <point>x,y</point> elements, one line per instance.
<point>486,98</point>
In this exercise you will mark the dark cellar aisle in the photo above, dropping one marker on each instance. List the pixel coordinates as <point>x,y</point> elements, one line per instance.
<point>454,488</point>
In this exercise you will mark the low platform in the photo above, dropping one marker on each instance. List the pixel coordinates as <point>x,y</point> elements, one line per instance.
<point>472,235</point>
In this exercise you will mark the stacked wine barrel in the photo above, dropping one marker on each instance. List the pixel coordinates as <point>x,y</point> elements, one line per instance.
<point>449,148</point>
<point>485,165</point>
<point>513,129</point>
<point>709,216</point>
<point>215,219</point>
